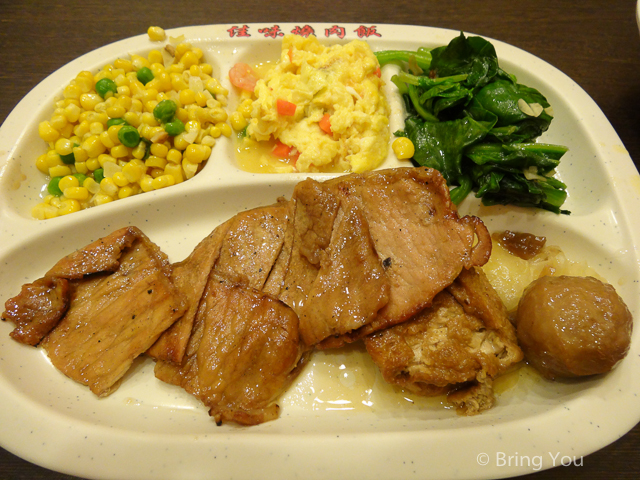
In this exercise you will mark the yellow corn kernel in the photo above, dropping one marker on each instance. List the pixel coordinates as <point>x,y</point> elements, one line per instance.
<point>120,179</point>
<point>72,112</point>
<point>195,71</point>
<point>91,185</point>
<point>41,164</point>
<point>140,151</point>
<point>64,146</point>
<point>164,82</point>
<point>237,121</point>
<point>214,87</point>
<point>93,146</point>
<point>53,159</point>
<point>181,49</point>
<point>225,129</point>
<point>67,182</point>
<point>123,64</point>
<point>134,171</point>
<point>215,131</point>
<point>146,183</point>
<point>206,68</point>
<point>208,140</point>
<point>72,91</point>
<point>47,132</point>
<point>80,154</point>
<point>163,181</point>
<point>156,172</point>
<point>106,139</point>
<point>101,199</point>
<point>201,99</point>
<point>81,167</point>
<point>176,67</point>
<point>179,142</point>
<point>138,62</point>
<point>156,34</point>
<point>55,202</point>
<point>159,150</point>
<point>116,111</point>
<point>189,169</point>
<point>155,162</point>
<point>195,153</point>
<point>96,128</point>
<point>148,119</point>
<point>76,193</point>
<point>155,57</point>
<point>177,82</point>
<point>174,156</point>
<point>88,101</point>
<point>105,158</point>
<point>189,58</point>
<point>93,164</point>
<point>126,191</point>
<point>59,171</point>
<point>43,211</point>
<point>175,170</point>
<point>81,129</point>
<point>120,151</point>
<point>68,206</point>
<point>403,148</point>
<point>148,94</point>
<point>187,96</point>
<point>124,93</point>
<point>108,187</point>
<point>132,118</point>
<point>182,115</point>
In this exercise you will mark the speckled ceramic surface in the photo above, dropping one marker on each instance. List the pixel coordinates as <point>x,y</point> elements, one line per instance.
<point>336,420</point>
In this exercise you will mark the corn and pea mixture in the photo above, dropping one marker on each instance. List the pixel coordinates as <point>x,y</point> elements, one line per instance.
<point>318,109</point>
<point>137,125</point>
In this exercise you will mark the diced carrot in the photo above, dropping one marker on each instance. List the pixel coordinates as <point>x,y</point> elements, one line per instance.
<point>325,123</point>
<point>281,150</point>
<point>378,72</point>
<point>290,53</point>
<point>243,76</point>
<point>285,108</point>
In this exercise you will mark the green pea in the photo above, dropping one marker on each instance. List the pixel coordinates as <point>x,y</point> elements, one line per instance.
<point>81,177</point>
<point>165,110</point>
<point>116,121</point>
<point>145,75</point>
<point>69,159</point>
<point>174,127</point>
<point>104,86</point>
<point>53,187</point>
<point>98,174</point>
<point>129,136</point>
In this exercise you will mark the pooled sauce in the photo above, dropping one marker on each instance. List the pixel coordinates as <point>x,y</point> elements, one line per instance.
<point>347,379</point>
<point>522,245</point>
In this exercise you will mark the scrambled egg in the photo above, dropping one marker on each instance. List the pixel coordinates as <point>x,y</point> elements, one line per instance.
<point>326,104</point>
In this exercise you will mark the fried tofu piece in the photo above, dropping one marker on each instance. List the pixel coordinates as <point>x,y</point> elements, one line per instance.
<point>458,344</point>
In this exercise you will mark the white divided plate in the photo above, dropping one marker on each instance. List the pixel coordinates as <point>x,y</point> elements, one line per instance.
<point>337,420</point>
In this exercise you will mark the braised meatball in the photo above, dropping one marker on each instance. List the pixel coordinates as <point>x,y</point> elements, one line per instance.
<point>572,326</point>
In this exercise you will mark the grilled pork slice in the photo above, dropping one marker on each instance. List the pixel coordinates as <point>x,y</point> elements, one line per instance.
<point>189,277</point>
<point>252,244</point>
<point>243,249</point>
<point>458,345</point>
<point>99,308</point>
<point>244,351</point>
<point>411,244</point>
<point>37,309</point>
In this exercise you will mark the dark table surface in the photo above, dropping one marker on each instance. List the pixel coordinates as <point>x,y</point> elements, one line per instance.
<point>594,42</point>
